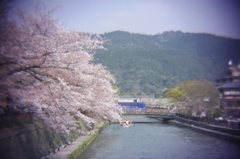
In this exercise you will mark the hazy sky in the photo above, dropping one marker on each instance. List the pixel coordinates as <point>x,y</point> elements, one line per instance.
<point>220,17</point>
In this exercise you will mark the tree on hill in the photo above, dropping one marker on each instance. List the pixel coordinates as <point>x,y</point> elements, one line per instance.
<point>46,69</point>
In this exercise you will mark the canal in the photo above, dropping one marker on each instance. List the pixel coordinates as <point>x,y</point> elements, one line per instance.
<point>157,141</point>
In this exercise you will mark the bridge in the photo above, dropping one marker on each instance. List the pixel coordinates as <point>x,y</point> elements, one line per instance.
<point>164,117</point>
<point>159,114</point>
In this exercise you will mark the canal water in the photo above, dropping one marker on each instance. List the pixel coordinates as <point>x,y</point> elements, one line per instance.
<point>158,141</point>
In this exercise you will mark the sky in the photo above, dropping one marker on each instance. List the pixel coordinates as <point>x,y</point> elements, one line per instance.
<point>218,17</point>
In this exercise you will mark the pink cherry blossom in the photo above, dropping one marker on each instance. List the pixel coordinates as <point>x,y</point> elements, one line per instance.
<point>47,70</point>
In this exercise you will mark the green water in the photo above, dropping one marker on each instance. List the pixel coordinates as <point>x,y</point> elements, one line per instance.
<point>158,141</point>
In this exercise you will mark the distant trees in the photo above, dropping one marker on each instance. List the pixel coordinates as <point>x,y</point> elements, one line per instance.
<point>151,63</point>
<point>175,94</point>
<point>195,98</point>
<point>46,69</point>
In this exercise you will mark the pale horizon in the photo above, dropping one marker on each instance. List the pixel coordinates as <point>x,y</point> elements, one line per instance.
<point>217,17</point>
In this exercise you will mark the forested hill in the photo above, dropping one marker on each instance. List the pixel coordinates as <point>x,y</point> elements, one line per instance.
<point>148,64</point>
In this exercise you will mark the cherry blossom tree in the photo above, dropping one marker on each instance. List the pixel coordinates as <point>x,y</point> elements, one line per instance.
<point>47,70</point>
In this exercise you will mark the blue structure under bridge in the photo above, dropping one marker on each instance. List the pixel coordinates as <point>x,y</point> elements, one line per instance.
<point>133,106</point>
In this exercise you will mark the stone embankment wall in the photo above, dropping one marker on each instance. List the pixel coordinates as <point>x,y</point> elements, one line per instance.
<point>208,126</point>
<point>222,132</point>
<point>24,136</point>
<point>82,147</point>
<point>30,141</point>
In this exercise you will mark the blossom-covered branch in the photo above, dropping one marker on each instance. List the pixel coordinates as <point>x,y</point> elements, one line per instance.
<point>46,69</point>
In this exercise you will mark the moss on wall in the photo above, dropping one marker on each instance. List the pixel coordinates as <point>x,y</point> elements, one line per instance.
<point>30,140</point>
<point>76,153</point>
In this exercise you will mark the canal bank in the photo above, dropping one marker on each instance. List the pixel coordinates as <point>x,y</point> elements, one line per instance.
<point>78,147</point>
<point>158,140</point>
<point>74,149</point>
<point>28,140</point>
<point>221,132</point>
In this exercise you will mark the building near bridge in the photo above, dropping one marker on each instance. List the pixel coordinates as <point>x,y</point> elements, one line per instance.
<point>141,98</point>
<point>135,104</point>
<point>132,106</point>
<point>229,88</point>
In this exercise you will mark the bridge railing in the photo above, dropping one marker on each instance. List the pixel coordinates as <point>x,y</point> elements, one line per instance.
<point>148,111</point>
<point>157,110</point>
<point>161,114</point>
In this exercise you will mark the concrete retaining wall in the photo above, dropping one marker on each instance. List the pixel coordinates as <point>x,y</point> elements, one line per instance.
<point>229,134</point>
<point>29,142</point>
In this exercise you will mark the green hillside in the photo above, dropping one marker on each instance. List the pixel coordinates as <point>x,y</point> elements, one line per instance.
<point>148,64</point>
